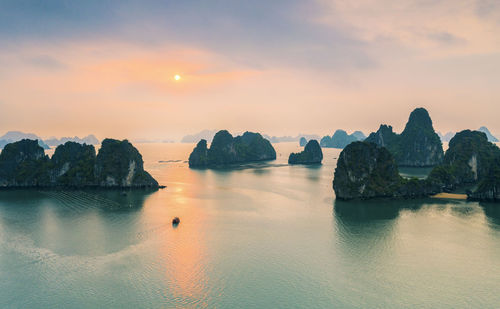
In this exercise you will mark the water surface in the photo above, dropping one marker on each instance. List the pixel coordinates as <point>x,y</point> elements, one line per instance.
<point>261,236</point>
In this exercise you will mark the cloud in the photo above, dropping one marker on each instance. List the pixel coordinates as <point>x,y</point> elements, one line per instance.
<point>259,33</point>
<point>488,8</point>
<point>418,27</point>
<point>445,38</point>
<point>46,62</point>
<point>264,63</point>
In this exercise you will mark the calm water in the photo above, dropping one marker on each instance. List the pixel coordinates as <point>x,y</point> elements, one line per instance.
<point>264,236</point>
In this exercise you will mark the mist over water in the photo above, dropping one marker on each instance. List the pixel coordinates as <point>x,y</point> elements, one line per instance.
<point>265,235</point>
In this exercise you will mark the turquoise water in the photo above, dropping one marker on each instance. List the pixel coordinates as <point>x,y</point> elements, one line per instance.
<point>260,236</point>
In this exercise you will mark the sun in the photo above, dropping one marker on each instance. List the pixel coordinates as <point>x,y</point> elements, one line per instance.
<point>177,77</point>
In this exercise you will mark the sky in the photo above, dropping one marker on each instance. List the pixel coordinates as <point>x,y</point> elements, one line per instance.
<point>276,67</point>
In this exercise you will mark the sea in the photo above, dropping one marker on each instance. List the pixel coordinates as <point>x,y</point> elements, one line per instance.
<point>259,235</point>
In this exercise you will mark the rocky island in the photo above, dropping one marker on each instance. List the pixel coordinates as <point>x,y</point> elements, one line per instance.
<point>118,164</point>
<point>417,146</point>
<point>302,141</point>
<point>366,170</point>
<point>340,139</point>
<point>226,149</point>
<point>471,162</point>
<point>311,154</point>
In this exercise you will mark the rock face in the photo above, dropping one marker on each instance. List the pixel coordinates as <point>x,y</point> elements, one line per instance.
<point>469,160</point>
<point>312,154</point>
<point>199,156</point>
<point>226,150</point>
<point>417,146</point>
<point>118,164</point>
<point>420,145</point>
<point>489,187</point>
<point>339,139</point>
<point>23,164</point>
<point>73,165</point>
<point>366,170</point>
<point>302,142</point>
<point>385,137</point>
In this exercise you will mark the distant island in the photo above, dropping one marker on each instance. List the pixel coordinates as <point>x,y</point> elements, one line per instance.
<point>208,135</point>
<point>226,149</point>
<point>490,136</point>
<point>302,141</point>
<point>14,136</point>
<point>366,170</point>
<point>89,140</point>
<point>340,139</point>
<point>286,139</point>
<point>417,146</point>
<point>448,136</point>
<point>23,164</point>
<point>312,154</point>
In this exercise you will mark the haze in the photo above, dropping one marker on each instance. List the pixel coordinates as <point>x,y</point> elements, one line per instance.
<point>278,67</point>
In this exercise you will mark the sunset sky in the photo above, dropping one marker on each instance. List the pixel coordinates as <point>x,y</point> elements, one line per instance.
<point>277,67</point>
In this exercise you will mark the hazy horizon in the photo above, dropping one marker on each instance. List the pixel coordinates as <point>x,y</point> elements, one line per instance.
<point>398,128</point>
<point>108,68</point>
<point>234,133</point>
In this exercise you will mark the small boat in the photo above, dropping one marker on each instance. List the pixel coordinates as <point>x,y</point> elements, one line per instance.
<point>176,221</point>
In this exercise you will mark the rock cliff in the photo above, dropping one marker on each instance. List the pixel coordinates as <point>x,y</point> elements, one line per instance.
<point>311,154</point>
<point>489,187</point>
<point>366,170</point>
<point>73,165</point>
<point>417,146</point>
<point>118,164</point>
<point>471,160</point>
<point>226,150</point>
<point>24,164</point>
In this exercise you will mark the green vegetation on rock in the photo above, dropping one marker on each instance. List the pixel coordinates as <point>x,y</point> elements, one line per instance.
<point>23,164</point>
<point>417,146</point>
<point>488,188</point>
<point>471,160</point>
<point>73,165</point>
<point>226,150</point>
<point>312,154</point>
<point>118,164</point>
<point>366,170</point>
